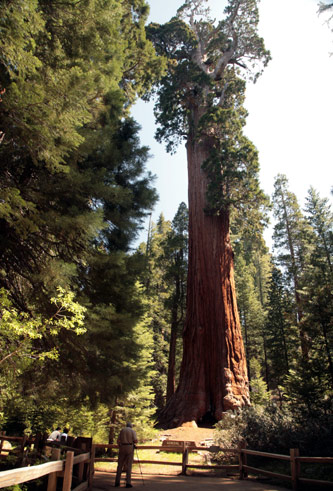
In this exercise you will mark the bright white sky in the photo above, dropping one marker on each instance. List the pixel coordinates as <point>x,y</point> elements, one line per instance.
<point>290,107</point>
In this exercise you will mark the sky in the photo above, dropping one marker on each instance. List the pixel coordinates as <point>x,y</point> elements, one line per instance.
<point>290,106</point>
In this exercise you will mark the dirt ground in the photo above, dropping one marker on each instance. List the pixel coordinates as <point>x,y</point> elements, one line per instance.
<point>104,481</point>
<point>157,482</point>
<point>197,435</point>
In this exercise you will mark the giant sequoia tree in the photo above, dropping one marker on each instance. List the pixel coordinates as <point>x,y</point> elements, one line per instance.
<point>200,101</point>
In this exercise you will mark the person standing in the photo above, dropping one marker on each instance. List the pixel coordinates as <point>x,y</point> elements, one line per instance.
<point>126,440</point>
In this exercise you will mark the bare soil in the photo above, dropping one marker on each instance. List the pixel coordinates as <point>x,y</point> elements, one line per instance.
<point>182,433</point>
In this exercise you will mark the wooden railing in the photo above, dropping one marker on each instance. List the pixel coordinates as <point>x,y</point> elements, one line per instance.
<point>64,468</point>
<point>295,467</point>
<point>242,467</point>
<point>56,468</point>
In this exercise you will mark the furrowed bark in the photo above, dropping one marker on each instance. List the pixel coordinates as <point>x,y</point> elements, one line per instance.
<point>213,377</point>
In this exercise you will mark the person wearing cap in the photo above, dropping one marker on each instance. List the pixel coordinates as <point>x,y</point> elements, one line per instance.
<point>126,441</point>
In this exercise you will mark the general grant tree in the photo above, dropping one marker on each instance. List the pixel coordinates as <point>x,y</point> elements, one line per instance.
<point>200,101</point>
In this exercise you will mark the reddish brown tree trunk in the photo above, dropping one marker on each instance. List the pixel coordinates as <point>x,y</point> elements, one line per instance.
<point>213,376</point>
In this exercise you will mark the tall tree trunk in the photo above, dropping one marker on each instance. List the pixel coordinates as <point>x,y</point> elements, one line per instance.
<point>328,351</point>
<point>294,270</point>
<point>213,376</point>
<point>171,384</point>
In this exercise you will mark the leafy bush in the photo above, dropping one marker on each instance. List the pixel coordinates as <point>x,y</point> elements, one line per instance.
<point>276,430</point>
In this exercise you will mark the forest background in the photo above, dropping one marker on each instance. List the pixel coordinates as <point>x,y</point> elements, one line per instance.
<point>90,326</point>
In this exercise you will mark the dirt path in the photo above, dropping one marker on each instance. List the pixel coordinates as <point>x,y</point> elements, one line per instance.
<point>104,481</point>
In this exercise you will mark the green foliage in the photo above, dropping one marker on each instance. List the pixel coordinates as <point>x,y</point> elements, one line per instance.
<point>281,339</point>
<point>251,311</point>
<point>158,293</point>
<point>19,329</point>
<point>259,394</point>
<point>73,192</point>
<point>165,284</point>
<point>276,430</point>
<point>290,231</point>
<point>233,165</point>
<point>202,75</point>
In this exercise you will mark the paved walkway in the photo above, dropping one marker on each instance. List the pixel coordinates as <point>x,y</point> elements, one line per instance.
<point>105,481</point>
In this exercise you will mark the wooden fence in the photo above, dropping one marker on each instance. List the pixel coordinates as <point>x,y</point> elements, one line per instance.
<point>85,465</point>
<point>81,465</point>
<point>242,468</point>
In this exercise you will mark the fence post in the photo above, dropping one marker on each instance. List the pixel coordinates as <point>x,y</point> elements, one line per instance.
<point>185,459</point>
<point>68,471</point>
<point>2,433</point>
<point>91,467</point>
<point>81,464</point>
<point>242,460</point>
<point>23,442</point>
<point>295,467</point>
<point>52,480</point>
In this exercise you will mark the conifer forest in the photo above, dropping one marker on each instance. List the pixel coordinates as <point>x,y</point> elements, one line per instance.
<point>200,321</point>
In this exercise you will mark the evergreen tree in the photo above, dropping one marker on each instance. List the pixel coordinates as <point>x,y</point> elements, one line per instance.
<point>165,284</point>
<point>290,238</point>
<point>200,101</point>
<point>176,252</point>
<point>251,312</point>
<point>320,217</point>
<point>73,183</point>
<point>158,293</point>
<point>63,75</point>
<point>318,283</point>
<point>278,332</point>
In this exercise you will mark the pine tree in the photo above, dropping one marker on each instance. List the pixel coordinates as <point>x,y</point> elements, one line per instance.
<point>251,313</point>
<point>66,71</point>
<point>176,251</point>
<point>290,238</point>
<point>158,295</point>
<point>318,283</point>
<point>278,332</point>
<point>73,183</point>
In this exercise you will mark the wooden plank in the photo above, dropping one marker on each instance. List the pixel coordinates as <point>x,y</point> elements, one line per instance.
<point>81,458</point>
<point>184,460</point>
<point>105,459</point>
<point>11,438</point>
<point>316,460</point>
<point>91,467</point>
<point>52,480</point>
<point>222,466</point>
<point>67,484</point>
<point>17,476</point>
<point>83,446</point>
<point>242,460</point>
<point>294,468</point>
<point>267,473</point>
<point>2,433</point>
<point>159,447</point>
<point>161,462</point>
<point>266,454</point>
<point>213,449</point>
<point>314,481</point>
